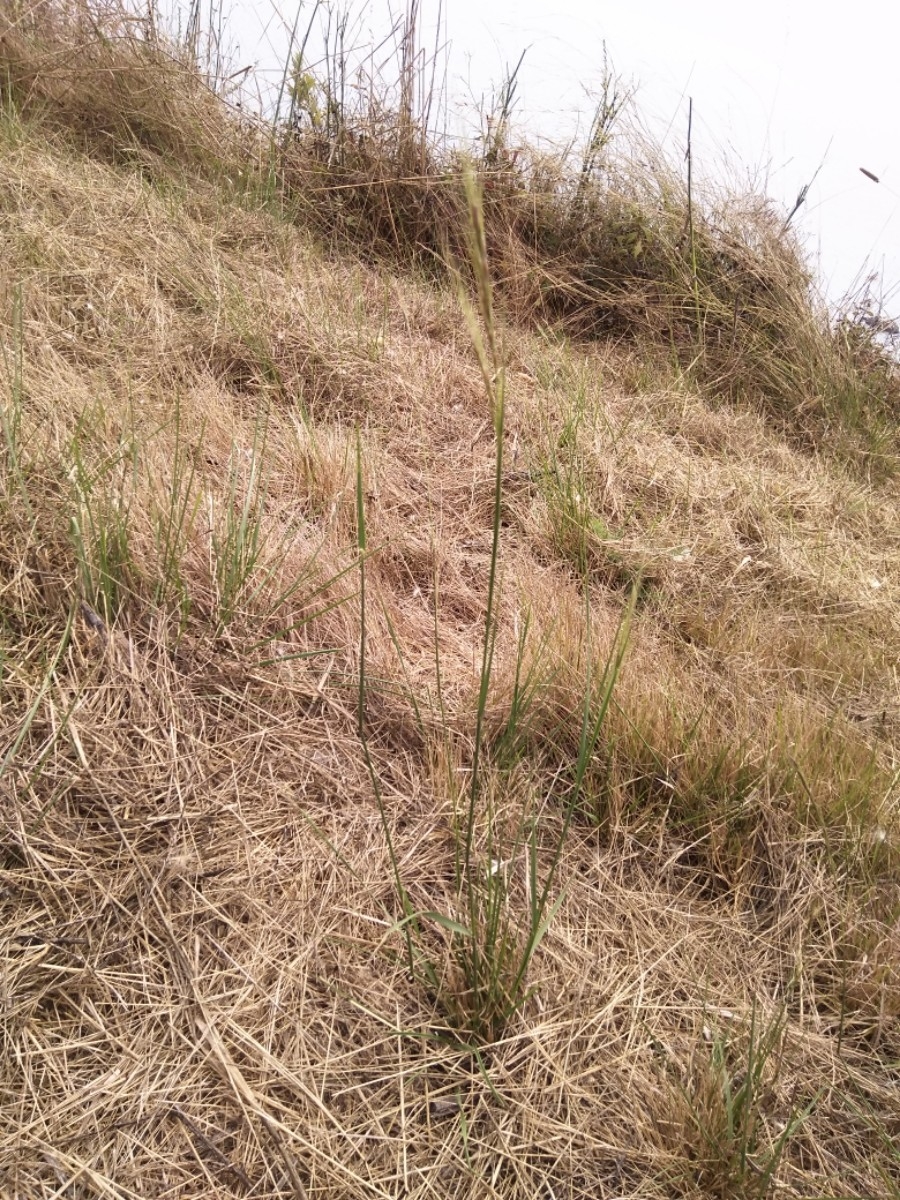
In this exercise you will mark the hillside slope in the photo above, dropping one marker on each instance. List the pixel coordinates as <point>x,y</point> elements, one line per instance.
<point>261,927</point>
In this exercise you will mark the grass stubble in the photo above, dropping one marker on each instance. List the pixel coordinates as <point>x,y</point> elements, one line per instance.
<point>448,642</point>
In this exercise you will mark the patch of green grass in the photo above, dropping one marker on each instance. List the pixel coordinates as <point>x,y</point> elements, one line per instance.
<point>237,539</point>
<point>578,533</point>
<point>175,503</point>
<point>99,521</point>
<point>11,407</point>
<point>738,1128</point>
<point>883,1128</point>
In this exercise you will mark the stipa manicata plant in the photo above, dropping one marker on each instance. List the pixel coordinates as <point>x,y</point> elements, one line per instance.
<point>492,937</point>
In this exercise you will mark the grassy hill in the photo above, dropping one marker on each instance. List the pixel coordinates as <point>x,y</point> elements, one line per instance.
<point>449,627</point>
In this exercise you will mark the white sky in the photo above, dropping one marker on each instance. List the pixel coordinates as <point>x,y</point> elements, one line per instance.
<point>779,87</point>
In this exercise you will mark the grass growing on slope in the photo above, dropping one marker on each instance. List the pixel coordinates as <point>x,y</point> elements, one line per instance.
<point>254,497</point>
<point>492,941</point>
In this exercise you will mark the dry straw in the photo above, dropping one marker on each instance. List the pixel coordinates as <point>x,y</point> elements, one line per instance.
<point>347,845</point>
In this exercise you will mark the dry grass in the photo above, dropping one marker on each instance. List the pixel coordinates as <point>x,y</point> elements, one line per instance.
<point>204,989</point>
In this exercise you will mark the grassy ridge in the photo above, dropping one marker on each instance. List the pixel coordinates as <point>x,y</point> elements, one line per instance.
<point>448,632</point>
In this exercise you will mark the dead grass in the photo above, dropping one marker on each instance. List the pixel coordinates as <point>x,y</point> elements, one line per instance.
<point>204,988</point>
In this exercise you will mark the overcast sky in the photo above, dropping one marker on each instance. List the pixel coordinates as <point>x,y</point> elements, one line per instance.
<point>779,88</point>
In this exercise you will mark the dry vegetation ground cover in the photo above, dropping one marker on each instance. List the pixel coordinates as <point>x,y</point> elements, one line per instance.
<point>304,893</point>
